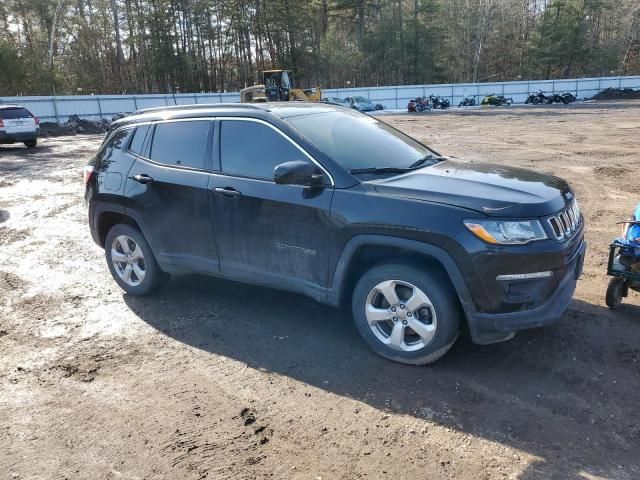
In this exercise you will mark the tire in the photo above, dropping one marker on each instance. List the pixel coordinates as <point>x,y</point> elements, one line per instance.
<point>615,292</point>
<point>31,143</point>
<point>144,273</point>
<point>438,322</point>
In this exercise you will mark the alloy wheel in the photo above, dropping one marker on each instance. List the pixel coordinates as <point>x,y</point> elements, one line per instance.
<point>401,315</point>
<point>128,260</point>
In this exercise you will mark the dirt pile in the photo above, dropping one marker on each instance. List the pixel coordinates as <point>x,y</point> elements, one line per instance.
<point>617,94</point>
<point>73,126</point>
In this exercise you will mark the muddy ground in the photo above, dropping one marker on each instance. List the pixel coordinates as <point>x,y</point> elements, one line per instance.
<point>212,379</point>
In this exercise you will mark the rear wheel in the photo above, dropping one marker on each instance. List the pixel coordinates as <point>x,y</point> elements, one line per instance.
<point>31,143</point>
<point>131,261</point>
<point>615,292</point>
<point>406,314</point>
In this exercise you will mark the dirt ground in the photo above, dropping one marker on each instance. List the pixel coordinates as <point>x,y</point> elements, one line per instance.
<point>213,379</point>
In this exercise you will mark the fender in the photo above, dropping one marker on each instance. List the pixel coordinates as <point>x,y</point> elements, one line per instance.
<point>96,209</point>
<point>102,208</point>
<point>426,249</point>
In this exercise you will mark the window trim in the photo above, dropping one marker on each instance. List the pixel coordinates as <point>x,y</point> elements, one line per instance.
<point>287,137</point>
<point>216,135</point>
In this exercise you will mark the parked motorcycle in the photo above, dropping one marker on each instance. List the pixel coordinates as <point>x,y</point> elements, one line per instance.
<point>556,98</point>
<point>467,102</point>
<point>419,104</point>
<point>538,98</point>
<point>439,102</point>
<point>496,100</point>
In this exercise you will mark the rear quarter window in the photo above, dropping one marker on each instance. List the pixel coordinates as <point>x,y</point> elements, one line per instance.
<point>113,144</point>
<point>138,141</point>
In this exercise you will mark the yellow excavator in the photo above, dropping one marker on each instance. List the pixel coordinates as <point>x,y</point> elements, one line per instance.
<point>278,86</point>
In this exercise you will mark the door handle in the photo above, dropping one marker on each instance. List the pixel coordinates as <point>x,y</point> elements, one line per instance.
<point>228,192</point>
<point>142,178</point>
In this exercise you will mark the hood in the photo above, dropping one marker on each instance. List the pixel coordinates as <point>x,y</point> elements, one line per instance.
<point>494,190</point>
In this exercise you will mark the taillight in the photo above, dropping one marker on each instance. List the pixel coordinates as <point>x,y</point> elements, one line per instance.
<point>37,120</point>
<point>87,173</point>
<point>1,123</point>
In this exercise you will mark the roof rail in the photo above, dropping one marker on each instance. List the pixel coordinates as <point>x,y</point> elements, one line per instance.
<point>194,106</point>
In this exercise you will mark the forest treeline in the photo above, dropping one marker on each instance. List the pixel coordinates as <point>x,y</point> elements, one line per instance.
<point>159,46</point>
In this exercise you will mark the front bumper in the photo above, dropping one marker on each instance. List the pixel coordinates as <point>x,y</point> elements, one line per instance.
<point>488,328</point>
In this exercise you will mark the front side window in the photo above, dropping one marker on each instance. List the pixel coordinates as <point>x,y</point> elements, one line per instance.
<point>252,149</point>
<point>180,143</point>
<point>356,141</point>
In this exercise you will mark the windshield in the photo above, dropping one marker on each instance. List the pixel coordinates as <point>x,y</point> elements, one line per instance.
<point>356,141</point>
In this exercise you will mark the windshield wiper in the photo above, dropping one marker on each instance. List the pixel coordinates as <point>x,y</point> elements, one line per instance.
<point>422,162</point>
<point>380,170</point>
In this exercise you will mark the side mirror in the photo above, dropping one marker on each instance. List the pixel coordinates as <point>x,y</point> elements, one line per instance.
<point>298,172</point>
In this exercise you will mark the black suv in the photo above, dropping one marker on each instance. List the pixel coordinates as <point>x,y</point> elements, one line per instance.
<point>339,206</point>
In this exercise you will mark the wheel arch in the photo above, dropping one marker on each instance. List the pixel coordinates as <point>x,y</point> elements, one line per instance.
<point>364,251</point>
<point>106,218</point>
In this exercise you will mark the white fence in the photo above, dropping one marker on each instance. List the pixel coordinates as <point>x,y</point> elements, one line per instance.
<point>95,107</point>
<point>399,96</point>
<point>58,109</point>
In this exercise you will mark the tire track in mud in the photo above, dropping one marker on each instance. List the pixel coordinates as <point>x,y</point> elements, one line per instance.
<point>212,441</point>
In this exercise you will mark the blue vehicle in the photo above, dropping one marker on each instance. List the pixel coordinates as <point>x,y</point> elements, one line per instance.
<point>624,262</point>
<point>361,104</point>
<point>336,101</point>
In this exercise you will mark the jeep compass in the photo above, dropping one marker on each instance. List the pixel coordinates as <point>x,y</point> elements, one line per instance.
<point>337,205</point>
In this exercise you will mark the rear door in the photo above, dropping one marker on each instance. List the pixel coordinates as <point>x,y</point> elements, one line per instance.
<point>18,120</point>
<point>267,231</point>
<point>167,191</point>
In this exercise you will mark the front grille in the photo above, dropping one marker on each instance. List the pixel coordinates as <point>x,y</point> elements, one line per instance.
<point>566,222</point>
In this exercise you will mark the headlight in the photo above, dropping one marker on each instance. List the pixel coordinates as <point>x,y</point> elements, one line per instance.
<point>507,232</point>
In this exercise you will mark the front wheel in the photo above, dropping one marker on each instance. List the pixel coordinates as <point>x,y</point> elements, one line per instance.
<point>131,261</point>
<point>406,314</point>
<point>615,292</point>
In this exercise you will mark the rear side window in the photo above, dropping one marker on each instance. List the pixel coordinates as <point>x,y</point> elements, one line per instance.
<point>139,136</point>
<point>252,149</point>
<point>13,113</point>
<point>180,143</point>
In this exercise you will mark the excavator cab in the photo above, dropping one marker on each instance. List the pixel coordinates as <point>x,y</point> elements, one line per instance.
<point>278,84</point>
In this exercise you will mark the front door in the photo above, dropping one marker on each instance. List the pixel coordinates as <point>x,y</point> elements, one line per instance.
<point>264,230</point>
<point>167,189</point>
